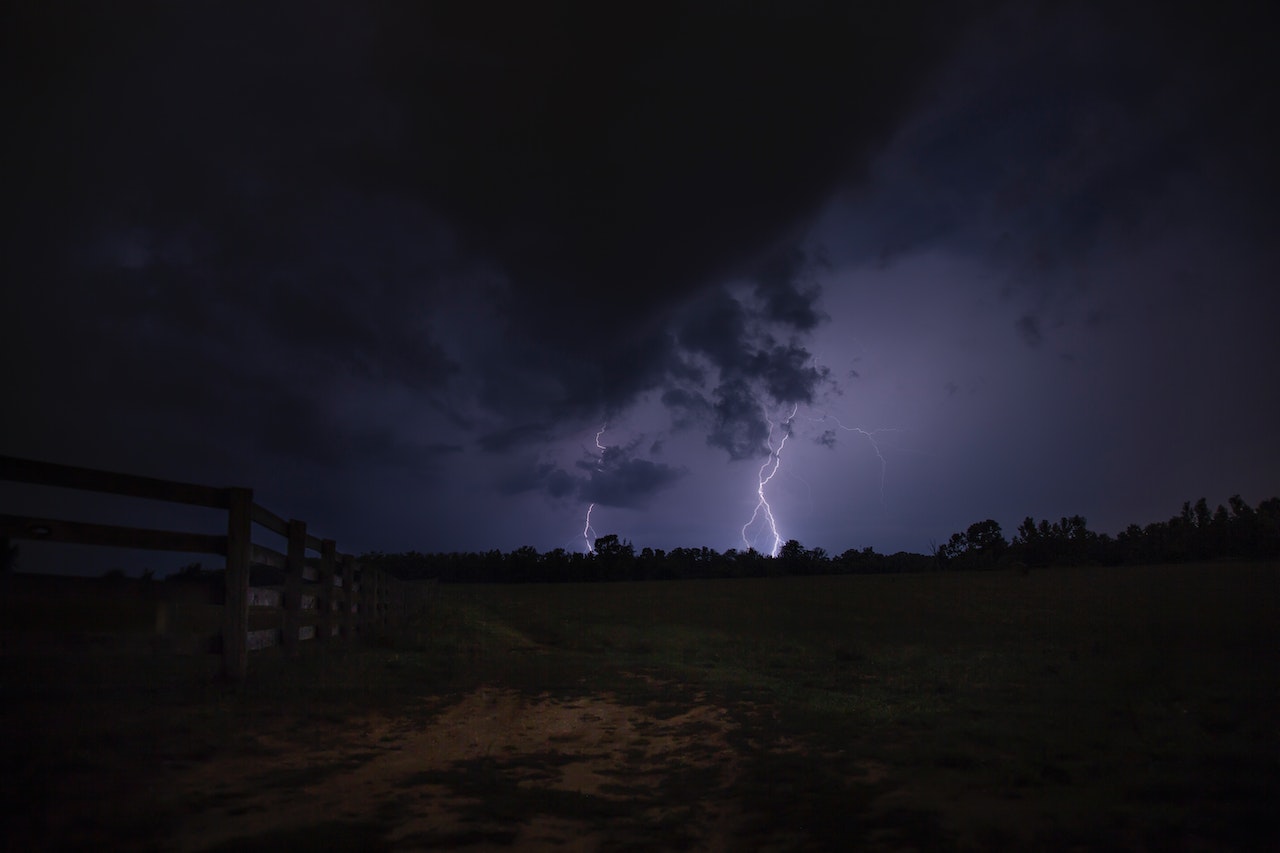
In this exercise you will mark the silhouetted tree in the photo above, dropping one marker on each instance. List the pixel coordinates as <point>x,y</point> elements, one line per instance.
<point>1195,532</point>
<point>613,557</point>
<point>986,542</point>
<point>792,557</point>
<point>951,552</point>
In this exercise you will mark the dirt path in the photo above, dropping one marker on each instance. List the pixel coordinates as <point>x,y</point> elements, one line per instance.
<point>494,769</point>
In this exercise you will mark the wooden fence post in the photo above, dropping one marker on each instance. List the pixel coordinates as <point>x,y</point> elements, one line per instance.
<point>349,597</point>
<point>379,601</point>
<point>295,562</point>
<point>362,609</point>
<point>385,615</point>
<point>324,596</point>
<point>235,610</point>
<point>395,613</point>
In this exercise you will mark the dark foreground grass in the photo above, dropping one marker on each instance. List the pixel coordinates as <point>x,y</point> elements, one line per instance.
<point>1064,709</point>
<point>1094,707</point>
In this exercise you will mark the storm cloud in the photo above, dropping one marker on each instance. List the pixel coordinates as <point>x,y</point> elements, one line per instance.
<point>614,477</point>
<point>412,256</point>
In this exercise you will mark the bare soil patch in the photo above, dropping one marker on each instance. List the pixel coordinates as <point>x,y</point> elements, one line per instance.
<point>494,768</point>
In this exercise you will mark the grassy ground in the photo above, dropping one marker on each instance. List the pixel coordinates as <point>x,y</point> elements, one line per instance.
<point>1089,708</point>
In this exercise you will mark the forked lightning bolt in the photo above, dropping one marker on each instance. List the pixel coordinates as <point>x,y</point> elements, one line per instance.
<point>762,479</point>
<point>870,436</point>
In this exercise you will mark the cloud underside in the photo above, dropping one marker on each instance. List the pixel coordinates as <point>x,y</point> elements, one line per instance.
<point>493,213</point>
<point>408,232</point>
<point>617,477</point>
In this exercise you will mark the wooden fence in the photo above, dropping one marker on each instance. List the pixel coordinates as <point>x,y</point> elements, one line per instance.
<point>311,598</point>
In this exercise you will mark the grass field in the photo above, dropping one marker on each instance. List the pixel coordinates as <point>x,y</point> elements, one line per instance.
<point>1126,709</point>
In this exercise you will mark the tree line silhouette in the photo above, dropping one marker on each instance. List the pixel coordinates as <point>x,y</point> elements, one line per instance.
<point>1241,532</point>
<point>1233,532</point>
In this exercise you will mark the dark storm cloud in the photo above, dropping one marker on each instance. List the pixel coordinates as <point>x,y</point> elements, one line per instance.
<point>753,372</point>
<point>617,477</point>
<point>739,427</point>
<point>320,180</point>
<point>308,295</point>
<point>545,477</point>
<point>264,239</point>
<point>514,437</point>
<point>1065,131</point>
<point>787,372</point>
<point>785,285</point>
<point>611,172</point>
<point>716,327</point>
<point>573,145</point>
<point>687,408</point>
<point>1029,328</point>
<point>621,479</point>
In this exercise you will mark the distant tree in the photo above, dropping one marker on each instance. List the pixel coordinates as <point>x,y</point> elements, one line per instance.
<point>1032,546</point>
<point>750,564</point>
<point>614,558</point>
<point>986,541</point>
<point>979,546</point>
<point>952,552</point>
<point>1243,530</point>
<point>1268,528</point>
<point>792,557</point>
<point>521,564</point>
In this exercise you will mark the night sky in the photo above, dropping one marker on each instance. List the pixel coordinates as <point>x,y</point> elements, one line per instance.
<point>405,269</point>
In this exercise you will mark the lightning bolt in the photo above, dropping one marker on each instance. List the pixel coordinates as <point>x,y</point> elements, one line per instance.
<point>762,479</point>
<point>589,534</point>
<point>870,436</point>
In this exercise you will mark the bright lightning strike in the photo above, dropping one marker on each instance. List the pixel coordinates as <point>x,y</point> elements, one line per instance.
<point>771,466</point>
<point>588,533</point>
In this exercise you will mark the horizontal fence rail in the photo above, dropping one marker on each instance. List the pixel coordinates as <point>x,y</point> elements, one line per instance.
<point>299,597</point>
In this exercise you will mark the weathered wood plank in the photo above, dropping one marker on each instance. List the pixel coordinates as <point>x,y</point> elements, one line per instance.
<point>261,556</point>
<point>263,597</point>
<point>264,639</point>
<point>66,476</point>
<point>58,530</point>
<point>269,520</point>
<point>307,632</point>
